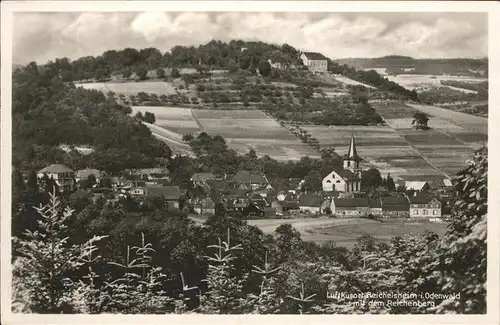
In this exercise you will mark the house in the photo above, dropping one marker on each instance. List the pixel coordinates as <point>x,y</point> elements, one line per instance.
<point>63,176</point>
<point>171,194</point>
<point>315,62</point>
<point>136,192</point>
<point>149,174</point>
<point>200,179</point>
<point>204,206</point>
<point>425,207</point>
<point>395,207</point>
<point>353,207</point>
<point>310,202</point>
<point>252,180</point>
<point>345,180</point>
<point>83,174</point>
<point>375,207</point>
<point>417,186</point>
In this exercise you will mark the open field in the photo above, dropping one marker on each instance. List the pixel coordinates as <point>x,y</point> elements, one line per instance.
<point>345,232</point>
<point>265,128</point>
<point>434,123</point>
<point>128,88</point>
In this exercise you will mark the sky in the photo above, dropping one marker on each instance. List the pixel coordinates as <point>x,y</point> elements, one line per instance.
<point>43,36</point>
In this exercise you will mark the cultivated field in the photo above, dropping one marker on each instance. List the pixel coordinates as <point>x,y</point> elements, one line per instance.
<point>246,129</point>
<point>242,129</point>
<point>451,139</point>
<point>129,88</point>
<point>380,146</point>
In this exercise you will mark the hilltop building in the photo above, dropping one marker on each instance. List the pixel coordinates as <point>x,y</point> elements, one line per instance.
<point>315,62</point>
<point>347,180</point>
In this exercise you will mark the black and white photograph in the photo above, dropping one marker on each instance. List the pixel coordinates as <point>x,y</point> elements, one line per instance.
<point>248,162</point>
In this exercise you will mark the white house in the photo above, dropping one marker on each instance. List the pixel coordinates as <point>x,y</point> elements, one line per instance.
<point>424,207</point>
<point>347,180</point>
<point>315,62</point>
<point>63,176</point>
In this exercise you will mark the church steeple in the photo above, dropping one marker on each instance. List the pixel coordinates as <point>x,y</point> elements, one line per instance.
<point>352,154</point>
<point>351,160</point>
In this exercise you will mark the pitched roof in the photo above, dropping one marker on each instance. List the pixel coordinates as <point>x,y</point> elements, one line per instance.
<point>85,173</point>
<point>216,184</point>
<point>447,182</point>
<point>421,199</point>
<point>345,173</point>
<point>310,200</point>
<point>55,169</point>
<point>202,177</point>
<point>415,185</point>
<point>314,56</point>
<point>168,192</point>
<point>399,200</point>
<point>289,204</point>
<point>375,203</point>
<point>246,176</point>
<point>355,203</point>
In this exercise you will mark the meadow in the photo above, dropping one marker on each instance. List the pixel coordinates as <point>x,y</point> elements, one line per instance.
<point>345,232</point>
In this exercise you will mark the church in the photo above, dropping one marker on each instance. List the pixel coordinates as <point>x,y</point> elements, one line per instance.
<point>348,179</point>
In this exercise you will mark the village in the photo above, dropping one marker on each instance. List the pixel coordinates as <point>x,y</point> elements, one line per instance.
<point>250,195</point>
